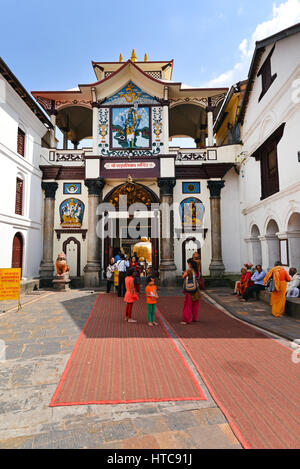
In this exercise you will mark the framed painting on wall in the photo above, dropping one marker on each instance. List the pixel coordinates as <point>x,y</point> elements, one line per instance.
<point>192,212</point>
<point>191,188</point>
<point>72,188</point>
<point>130,128</point>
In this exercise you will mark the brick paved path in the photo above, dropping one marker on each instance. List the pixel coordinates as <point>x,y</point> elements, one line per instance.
<point>39,341</point>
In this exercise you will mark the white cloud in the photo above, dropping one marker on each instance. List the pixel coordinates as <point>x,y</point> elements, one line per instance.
<point>283,16</point>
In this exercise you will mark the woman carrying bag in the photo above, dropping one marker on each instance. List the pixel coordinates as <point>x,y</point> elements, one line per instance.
<point>192,293</point>
<point>110,269</point>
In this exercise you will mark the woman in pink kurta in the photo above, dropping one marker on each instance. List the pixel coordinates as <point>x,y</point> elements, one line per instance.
<point>191,300</point>
<point>130,295</point>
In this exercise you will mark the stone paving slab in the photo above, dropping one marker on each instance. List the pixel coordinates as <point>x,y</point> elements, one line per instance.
<point>256,313</point>
<point>39,341</point>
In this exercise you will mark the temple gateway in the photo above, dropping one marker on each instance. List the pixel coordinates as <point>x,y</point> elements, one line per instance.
<point>130,114</point>
<point>234,197</point>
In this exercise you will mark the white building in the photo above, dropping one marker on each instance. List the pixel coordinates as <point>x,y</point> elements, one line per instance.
<point>269,185</point>
<point>22,128</point>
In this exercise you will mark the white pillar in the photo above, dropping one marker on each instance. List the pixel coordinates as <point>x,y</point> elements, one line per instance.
<point>95,106</point>
<point>166,120</point>
<point>95,128</point>
<point>52,131</point>
<point>210,129</point>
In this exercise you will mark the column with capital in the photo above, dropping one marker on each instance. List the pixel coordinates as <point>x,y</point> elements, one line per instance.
<point>216,267</point>
<point>47,264</point>
<point>93,266</point>
<point>167,266</point>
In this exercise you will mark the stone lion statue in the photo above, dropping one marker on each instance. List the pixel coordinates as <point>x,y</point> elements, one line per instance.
<point>62,269</point>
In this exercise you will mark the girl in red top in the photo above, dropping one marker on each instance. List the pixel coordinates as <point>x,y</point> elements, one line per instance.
<point>130,295</point>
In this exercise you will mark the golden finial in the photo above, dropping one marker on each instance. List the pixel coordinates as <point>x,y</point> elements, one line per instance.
<point>146,57</point>
<point>133,56</point>
<point>121,58</point>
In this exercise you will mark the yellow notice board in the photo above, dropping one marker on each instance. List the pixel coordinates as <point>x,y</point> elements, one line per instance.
<point>10,282</point>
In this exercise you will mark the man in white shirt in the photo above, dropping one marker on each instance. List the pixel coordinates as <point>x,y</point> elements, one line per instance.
<point>122,266</point>
<point>293,287</point>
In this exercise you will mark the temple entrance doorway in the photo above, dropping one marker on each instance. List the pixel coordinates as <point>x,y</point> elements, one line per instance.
<point>134,224</point>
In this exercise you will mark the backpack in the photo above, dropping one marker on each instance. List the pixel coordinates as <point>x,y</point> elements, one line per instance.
<point>190,284</point>
<point>270,285</point>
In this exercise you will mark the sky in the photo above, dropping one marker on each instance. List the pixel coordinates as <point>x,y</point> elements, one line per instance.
<point>49,45</point>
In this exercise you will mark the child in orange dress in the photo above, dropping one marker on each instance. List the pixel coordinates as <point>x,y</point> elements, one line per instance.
<point>130,295</point>
<point>151,294</point>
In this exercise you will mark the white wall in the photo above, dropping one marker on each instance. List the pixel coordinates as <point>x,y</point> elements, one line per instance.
<point>15,113</point>
<point>262,119</point>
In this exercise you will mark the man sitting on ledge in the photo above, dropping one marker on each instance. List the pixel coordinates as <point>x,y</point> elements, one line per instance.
<point>258,279</point>
<point>293,287</point>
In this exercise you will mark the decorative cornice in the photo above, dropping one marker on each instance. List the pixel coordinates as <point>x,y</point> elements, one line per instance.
<point>50,189</point>
<point>95,186</point>
<point>166,185</point>
<point>215,188</point>
<point>71,231</point>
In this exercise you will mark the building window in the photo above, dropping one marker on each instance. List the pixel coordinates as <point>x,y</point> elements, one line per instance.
<point>21,142</point>
<point>19,197</point>
<point>269,172</point>
<point>267,155</point>
<point>266,75</point>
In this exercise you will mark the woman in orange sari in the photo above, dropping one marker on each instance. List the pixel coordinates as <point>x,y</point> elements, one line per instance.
<point>278,298</point>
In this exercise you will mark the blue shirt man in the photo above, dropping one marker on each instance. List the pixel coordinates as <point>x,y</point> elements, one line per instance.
<point>258,279</point>
<point>259,276</point>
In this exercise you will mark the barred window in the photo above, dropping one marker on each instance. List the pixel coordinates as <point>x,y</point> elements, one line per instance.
<point>21,142</point>
<point>19,197</point>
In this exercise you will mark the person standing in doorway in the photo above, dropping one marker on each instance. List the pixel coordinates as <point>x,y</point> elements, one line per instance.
<point>122,266</point>
<point>110,269</point>
<point>134,264</point>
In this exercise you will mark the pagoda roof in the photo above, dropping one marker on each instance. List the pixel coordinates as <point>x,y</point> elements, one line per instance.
<point>109,84</point>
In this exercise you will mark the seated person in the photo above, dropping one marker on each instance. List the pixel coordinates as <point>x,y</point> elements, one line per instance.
<point>244,283</point>
<point>293,287</point>
<point>258,279</point>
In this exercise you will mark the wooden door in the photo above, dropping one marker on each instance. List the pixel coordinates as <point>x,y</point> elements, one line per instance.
<point>17,251</point>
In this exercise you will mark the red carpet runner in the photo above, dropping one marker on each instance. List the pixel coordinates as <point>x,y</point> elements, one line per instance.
<point>116,362</point>
<point>251,376</point>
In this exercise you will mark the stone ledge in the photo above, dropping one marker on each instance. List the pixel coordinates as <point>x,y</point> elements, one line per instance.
<point>29,285</point>
<point>292,304</point>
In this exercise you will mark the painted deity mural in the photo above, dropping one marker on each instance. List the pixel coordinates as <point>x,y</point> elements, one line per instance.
<point>192,212</point>
<point>71,213</point>
<point>130,127</point>
<point>130,123</point>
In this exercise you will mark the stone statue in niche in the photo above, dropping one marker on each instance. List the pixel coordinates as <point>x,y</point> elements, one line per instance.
<point>62,280</point>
